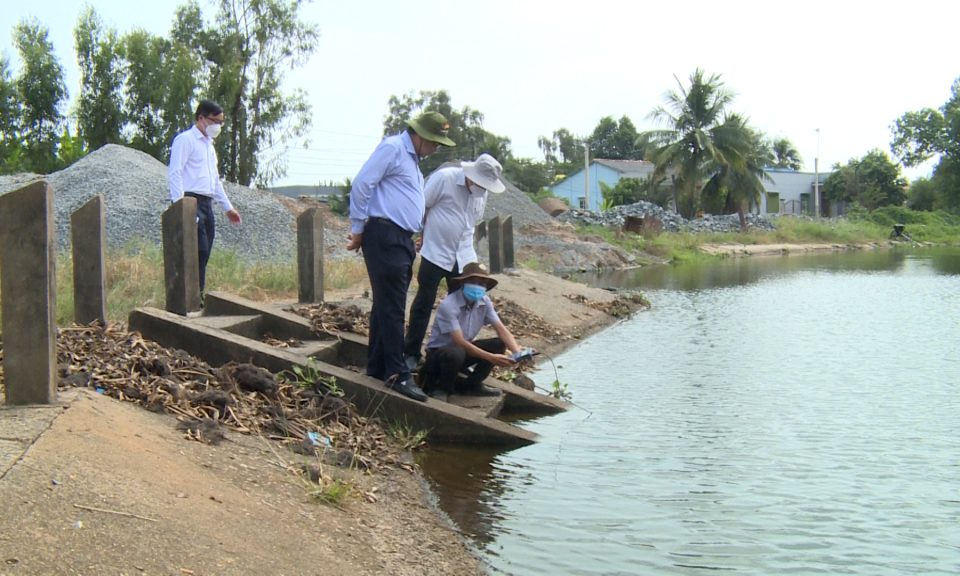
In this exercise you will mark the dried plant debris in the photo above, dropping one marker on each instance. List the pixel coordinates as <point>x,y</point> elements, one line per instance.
<point>241,397</point>
<point>622,305</point>
<point>331,318</point>
<point>288,343</point>
<point>522,322</point>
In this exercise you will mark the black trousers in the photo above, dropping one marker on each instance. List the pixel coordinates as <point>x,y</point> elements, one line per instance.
<point>206,230</point>
<point>428,280</point>
<point>388,252</point>
<point>445,363</point>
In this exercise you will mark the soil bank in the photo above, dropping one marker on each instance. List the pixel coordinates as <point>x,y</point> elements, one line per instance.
<point>106,487</point>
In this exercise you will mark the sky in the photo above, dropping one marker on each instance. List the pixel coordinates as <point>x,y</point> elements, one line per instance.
<point>845,67</point>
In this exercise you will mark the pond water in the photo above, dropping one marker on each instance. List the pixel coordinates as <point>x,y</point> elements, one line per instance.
<point>766,416</point>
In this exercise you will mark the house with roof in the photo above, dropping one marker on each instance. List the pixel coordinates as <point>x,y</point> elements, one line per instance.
<point>786,191</point>
<point>573,187</point>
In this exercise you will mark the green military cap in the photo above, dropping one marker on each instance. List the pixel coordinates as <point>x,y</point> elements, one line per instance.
<point>432,126</point>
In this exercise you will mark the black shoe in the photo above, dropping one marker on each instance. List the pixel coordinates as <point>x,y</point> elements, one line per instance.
<point>408,388</point>
<point>481,390</point>
<point>440,395</point>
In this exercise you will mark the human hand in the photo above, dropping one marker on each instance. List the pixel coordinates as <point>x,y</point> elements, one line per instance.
<point>353,241</point>
<point>234,217</point>
<point>501,360</point>
<point>418,243</point>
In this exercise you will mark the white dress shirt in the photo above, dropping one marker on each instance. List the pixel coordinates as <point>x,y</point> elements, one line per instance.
<point>193,168</point>
<point>452,213</point>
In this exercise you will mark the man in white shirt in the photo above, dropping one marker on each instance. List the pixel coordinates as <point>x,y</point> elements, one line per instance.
<point>455,198</point>
<point>193,172</point>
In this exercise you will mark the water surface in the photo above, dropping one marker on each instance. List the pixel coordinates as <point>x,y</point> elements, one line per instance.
<point>766,416</point>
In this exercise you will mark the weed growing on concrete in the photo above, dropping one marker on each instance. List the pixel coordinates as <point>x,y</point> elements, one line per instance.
<point>405,435</point>
<point>309,376</point>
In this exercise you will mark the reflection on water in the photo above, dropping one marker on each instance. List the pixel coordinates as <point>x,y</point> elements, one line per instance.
<point>768,415</point>
<point>742,271</point>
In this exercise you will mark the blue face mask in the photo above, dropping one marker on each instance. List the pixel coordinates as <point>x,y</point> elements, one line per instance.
<point>473,293</point>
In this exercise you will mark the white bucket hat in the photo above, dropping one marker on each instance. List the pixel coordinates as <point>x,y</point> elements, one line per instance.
<point>485,172</point>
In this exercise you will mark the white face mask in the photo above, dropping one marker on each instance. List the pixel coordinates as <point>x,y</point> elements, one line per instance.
<point>213,130</point>
<point>476,189</point>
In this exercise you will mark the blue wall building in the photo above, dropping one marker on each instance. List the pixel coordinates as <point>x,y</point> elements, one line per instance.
<point>787,192</point>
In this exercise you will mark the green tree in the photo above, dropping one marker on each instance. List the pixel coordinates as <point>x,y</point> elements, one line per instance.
<point>563,147</point>
<point>10,142</point>
<point>42,93</point>
<point>872,181</point>
<point>928,133</point>
<point>632,190</point>
<point>922,195</point>
<point>145,85</point>
<point>699,137</point>
<point>340,203</point>
<point>611,140</point>
<point>248,52</point>
<point>466,128</point>
<point>71,148</point>
<point>527,175</point>
<point>100,104</point>
<point>785,154</point>
<point>741,186</point>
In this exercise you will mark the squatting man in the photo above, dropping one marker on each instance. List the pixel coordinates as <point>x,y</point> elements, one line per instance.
<point>453,346</point>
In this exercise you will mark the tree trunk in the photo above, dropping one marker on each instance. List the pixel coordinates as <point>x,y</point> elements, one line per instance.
<point>743,219</point>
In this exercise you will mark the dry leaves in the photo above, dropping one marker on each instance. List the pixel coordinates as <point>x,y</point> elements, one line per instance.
<point>330,318</point>
<point>246,398</point>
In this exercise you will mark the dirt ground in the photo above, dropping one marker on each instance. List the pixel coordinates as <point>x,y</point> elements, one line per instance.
<point>237,507</point>
<point>779,249</point>
<point>191,508</point>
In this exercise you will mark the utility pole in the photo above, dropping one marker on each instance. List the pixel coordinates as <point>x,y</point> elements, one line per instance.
<point>816,178</point>
<point>586,176</point>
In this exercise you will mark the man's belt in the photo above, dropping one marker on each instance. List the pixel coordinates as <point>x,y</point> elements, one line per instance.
<point>388,222</point>
<point>199,197</point>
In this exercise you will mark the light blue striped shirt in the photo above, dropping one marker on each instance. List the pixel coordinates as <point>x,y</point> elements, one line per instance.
<point>390,185</point>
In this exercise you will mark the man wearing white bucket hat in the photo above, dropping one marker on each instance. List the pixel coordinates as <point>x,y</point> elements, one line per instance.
<point>455,198</point>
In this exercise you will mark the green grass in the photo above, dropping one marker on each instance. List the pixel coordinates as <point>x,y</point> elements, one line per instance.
<point>134,277</point>
<point>861,228</point>
<point>405,435</point>
<point>332,492</point>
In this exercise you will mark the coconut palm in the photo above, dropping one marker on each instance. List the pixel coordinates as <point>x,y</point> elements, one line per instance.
<point>698,138</point>
<point>742,183</point>
<point>785,154</point>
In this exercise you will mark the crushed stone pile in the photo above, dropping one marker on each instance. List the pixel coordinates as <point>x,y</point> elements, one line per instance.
<point>672,222</point>
<point>135,193</point>
<point>515,202</point>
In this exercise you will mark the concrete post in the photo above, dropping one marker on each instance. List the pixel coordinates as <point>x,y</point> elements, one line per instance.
<point>181,259</point>
<point>310,255</point>
<point>494,228</point>
<point>28,298</point>
<point>88,232</point>
<point>506,234</point>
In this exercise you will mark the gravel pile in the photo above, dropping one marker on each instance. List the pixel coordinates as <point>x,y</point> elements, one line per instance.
<point>135,194</point>
<point>672,222</point>
<point>515,202</point>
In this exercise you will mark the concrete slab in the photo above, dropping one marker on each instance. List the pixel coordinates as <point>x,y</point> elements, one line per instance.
<point>445,422</point>
<point>10,452</point>
<point>20,426</point>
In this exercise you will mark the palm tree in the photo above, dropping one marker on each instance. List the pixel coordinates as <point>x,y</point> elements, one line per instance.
<point>699,138</point>
<point>743,183</point>
<point>785,154</point>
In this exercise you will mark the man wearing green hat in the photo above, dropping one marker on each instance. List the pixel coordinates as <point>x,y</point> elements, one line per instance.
<point>386,210</point>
